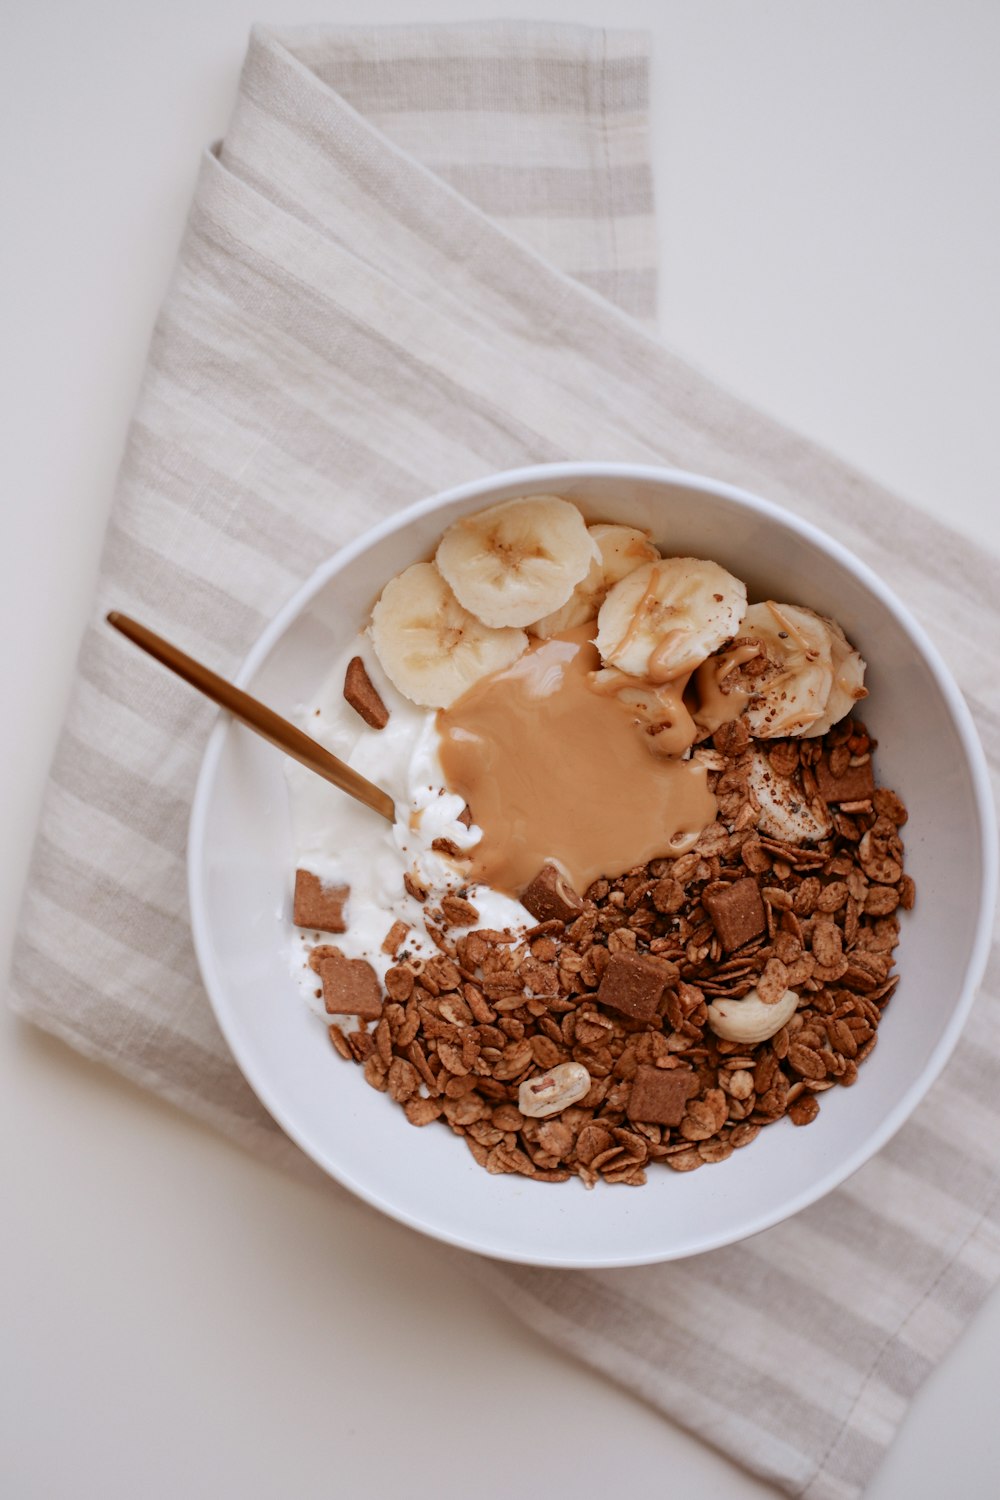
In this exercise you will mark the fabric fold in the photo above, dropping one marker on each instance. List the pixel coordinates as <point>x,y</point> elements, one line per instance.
<point>422,254</point>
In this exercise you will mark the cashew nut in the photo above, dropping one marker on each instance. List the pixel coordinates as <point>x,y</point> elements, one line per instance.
<point>749,1019</point>
<point>548,1093</point>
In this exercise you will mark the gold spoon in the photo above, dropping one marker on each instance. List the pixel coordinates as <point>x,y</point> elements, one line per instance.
<point>256,716</point>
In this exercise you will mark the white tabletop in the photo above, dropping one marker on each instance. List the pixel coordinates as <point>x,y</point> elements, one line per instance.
<point>179,1320</point>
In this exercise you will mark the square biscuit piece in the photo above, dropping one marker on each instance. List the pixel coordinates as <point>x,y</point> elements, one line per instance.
<point>319,906</point>
<point>854,784</point>
<point>550,898</point>
<point>634,985</point>
<point>736,912</point>
<point>350,985</point>
<point>660,1096</point>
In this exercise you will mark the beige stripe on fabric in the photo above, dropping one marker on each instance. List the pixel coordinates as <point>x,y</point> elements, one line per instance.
<point>550,192</point>
<point>502,155</point>
<point>372,302</point>
<point>442,139</point>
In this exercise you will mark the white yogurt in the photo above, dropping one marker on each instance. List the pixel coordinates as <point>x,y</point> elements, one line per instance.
<point>345,843</point>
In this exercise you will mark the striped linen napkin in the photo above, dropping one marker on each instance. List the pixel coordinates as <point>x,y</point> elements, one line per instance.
<point>422,254</point>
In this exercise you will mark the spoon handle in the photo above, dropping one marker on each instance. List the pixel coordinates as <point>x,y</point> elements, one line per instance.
<point>256,716</point>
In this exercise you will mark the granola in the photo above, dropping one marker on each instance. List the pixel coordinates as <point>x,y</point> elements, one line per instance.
<point>621,981</point>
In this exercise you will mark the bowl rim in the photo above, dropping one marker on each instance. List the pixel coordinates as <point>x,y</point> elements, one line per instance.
<point>546,478</point>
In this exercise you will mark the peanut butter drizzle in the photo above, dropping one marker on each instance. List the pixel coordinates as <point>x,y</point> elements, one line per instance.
<point>658,709</point>
<point>661,665</point>
<point>556,772</point>
<point>716,706</point>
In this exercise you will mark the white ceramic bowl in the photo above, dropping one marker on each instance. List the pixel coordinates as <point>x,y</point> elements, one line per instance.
<point>241,861</point>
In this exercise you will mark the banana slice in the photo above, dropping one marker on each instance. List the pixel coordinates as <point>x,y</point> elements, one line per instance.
<point>431,648</point>
<point>517,561</point>
<point>784,812</point>
<point>793,695</point>
<point>622,549</point>
<point>666,617</point>
<point>848,681</point>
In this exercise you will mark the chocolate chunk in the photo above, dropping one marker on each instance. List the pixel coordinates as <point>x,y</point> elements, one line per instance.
<point>854,784</point>
<point>465,816</point>
<point>362,695</point>
<point>350,985</point>
<point>633,984</point>
<point>659,1096</point>
<point>737,912</point>
<point>317,905</point>
<point>551,898</point>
